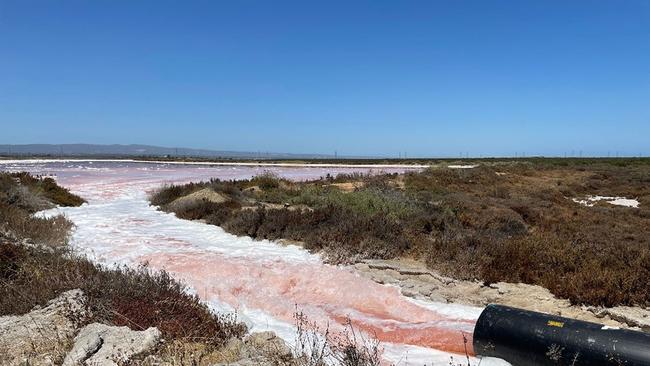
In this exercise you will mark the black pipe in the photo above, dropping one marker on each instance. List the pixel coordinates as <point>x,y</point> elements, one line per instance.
<point>528,338</point>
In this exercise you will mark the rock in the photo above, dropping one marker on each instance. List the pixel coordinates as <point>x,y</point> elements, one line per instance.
<point>407,285</point>
<point>265,344</point>
<point>104,345</point>
<point>263,348</point>
<point>409,292</point>
<point>180,352</point>
<point>297,243</point>
<point>42,336</point>
<point>361,266</point>
<point>253,189</point>
<point>382,277</point>
<point>438,298</point>
<point>300,207</point>
<point>632,316</point>
<point>282,206</point>
<point>406,268</point>
<point>347,186</point>
<point>414,286</point>
<point>256,205</point>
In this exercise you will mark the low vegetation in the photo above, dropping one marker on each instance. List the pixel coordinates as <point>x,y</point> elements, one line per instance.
<point>21,195</point>
<point>502,221</point>
<point>320,347</point>
<point>36,265</point>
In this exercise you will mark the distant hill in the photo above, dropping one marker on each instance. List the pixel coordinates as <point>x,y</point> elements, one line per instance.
<point>140,150</point>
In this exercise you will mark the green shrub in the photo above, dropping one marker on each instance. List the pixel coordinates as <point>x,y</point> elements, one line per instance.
<point>45,188</point>
<point>266,180</point>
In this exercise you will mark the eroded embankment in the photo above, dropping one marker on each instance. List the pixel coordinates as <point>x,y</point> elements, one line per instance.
<point>418,282</point>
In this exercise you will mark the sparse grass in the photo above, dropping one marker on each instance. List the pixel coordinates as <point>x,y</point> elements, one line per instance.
<point>503,221</point>
<point>49,231</point>
<point>321,347</point>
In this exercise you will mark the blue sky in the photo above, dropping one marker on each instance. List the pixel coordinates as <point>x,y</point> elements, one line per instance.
<point>429,78</point>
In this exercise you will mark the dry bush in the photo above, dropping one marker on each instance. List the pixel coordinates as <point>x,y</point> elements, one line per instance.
<point>138,298</point>
<point>45,188</point>
<point>321,347</point>
<point>200,209</point>
<point>244,222</point>
<point>52,231</point>
<point>20,196</point>
<point>267,180</point>
<point>578,271</point>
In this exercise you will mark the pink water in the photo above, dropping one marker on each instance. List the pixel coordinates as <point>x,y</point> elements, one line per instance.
<point>263,281</point>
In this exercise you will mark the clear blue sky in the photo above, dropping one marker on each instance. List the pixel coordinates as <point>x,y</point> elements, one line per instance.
<point>431,78</point>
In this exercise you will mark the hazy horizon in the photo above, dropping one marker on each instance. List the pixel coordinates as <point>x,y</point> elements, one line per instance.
<point>364,78</point>
<point>127,150</point>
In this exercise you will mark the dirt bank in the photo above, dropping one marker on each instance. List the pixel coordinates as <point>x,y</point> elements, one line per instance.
<point>416,281</point>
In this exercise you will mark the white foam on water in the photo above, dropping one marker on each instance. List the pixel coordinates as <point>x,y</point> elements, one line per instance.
<point>399,354</point>
<point>456,311</point>
<point>127,228</point>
